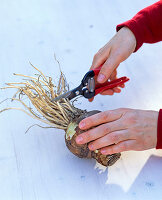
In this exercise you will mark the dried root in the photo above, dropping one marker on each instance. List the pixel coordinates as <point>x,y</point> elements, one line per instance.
<point>40,90</point>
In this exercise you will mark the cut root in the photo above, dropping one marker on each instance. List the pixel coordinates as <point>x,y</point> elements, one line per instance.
<point>39,90</point>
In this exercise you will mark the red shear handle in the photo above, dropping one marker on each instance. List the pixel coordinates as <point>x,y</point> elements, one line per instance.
<point>110,84</point>
<point>97,70</point>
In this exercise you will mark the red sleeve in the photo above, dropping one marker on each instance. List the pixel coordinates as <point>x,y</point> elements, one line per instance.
<point>146,25</point>
<point>159,131</point>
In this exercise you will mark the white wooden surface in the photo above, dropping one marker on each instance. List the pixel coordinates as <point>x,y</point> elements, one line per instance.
<point>37,165</point>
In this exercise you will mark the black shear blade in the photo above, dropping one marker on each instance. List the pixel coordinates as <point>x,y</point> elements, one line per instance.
<point>65,95</point>
<point>69,95</point>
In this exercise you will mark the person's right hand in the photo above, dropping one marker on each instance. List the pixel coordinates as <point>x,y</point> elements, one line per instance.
<point>118,49</point>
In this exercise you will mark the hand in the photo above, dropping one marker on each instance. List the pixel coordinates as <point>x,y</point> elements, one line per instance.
<point>118,49</point>
<point>120,130</point>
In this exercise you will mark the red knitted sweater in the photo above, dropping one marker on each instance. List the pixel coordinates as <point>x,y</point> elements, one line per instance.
<point>146,25</point>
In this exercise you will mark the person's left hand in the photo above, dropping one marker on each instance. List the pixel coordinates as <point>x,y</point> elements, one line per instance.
<point>120,130</point>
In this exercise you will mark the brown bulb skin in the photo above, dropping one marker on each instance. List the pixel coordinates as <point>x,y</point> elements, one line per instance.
<point>82,150</point>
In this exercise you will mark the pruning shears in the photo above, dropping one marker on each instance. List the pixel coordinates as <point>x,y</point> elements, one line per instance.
<point>89,89</point>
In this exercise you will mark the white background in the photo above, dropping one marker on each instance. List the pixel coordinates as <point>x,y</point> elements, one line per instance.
<point>37,165</point>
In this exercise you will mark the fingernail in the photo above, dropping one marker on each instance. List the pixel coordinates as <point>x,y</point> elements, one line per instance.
<point>79,139</point>
<point>82,125</point>
<point>91,146</point>
<point>101,78</point>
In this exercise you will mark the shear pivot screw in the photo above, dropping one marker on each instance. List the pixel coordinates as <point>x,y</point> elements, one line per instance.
<point>77,92</point>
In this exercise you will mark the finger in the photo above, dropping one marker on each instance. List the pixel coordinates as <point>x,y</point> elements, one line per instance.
<point>113,75</point>
<point>107,92</point>
<point>120,147</point>
<point>117,89</point>
<point>100,118</point>
<point>100,131</point>
<point>108,67</point>
<point>122,86</point>
<point>109,139</point>
<point>100,57</point>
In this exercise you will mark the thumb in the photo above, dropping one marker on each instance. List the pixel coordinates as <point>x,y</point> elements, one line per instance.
<point>108,67</point>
